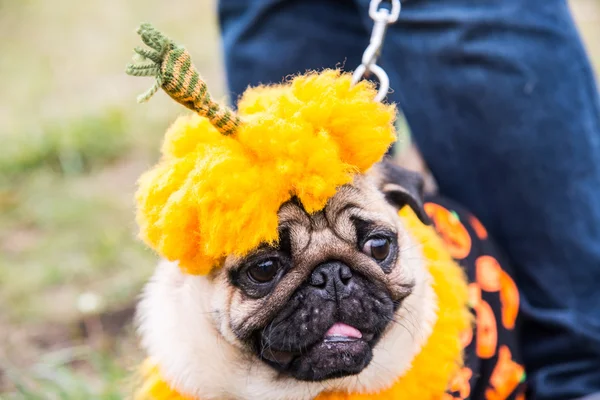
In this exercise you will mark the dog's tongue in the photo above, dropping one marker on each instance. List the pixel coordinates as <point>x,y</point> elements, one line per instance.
<point>342,330</point>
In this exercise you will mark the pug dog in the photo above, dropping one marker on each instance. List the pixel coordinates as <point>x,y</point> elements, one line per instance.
<point>343,301</point>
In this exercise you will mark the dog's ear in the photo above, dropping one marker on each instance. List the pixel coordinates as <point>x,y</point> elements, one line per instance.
<point>402,187</point>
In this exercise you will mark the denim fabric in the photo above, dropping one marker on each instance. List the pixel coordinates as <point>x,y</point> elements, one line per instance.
<point>592,397</point>
<point>502,102</point>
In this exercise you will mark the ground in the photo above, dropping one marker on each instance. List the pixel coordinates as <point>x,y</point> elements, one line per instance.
<point>73,143</point>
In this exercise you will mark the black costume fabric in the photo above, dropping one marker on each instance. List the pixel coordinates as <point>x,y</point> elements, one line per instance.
<point>493,365</point>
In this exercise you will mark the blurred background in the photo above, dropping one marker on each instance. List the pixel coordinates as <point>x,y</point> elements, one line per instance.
<point>72,143</point>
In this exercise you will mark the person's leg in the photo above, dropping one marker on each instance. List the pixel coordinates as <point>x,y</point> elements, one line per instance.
<point>266,40</point>
<point>502,102</point>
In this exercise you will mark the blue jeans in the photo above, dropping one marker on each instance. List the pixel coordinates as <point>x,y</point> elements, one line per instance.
<point>501,100</point>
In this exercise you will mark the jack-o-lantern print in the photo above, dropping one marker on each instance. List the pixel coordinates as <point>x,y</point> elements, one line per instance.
<point>487,329</point>
<point>509,297</point>
<point>507,376</point>
<point>478,227</point>
<point>461,383</point>
<point>488,273</point>
<point>492,369</point>
<point>466,337</point>
<point>492,278</point>
<point>474,292</point>
<point>450,228</point>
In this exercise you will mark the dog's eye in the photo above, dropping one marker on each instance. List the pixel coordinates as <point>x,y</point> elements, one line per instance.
<point>264,271</point>
<point>378,248</point>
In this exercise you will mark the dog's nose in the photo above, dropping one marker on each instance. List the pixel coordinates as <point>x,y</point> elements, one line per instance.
<point>332,279</point>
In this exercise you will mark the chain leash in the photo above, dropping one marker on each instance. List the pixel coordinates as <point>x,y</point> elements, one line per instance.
<point>382,18</point>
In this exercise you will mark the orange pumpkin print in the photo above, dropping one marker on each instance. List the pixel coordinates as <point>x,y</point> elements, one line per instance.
<point>466,337</point>
<point>488,270</point>
<point>450,228</point>
<point>460,383</point>
<point>506,377</point>
<point>474,292</point>
<point>478,227</point>
<point>492,278</point>
<point>487,332</point>
<point>509,297</point>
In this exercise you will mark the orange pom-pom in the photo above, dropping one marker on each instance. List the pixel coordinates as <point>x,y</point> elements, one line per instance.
<point>213,195</point>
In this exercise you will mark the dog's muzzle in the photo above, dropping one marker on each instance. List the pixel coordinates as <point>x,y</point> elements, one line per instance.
<point>329,326</point>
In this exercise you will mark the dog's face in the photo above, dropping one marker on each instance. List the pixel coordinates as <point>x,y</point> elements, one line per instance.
<point>315,306</point>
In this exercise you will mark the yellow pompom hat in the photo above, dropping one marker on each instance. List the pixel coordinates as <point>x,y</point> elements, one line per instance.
<point>222,177</point>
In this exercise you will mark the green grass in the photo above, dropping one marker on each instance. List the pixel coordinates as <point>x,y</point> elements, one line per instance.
<point>73,142</point>
<point>68,375</point>
<point>69,147</point>
<point>67,222</point>
<point>96,244</point>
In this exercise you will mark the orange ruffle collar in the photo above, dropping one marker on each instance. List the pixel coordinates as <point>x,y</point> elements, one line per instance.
<point>433,368</point>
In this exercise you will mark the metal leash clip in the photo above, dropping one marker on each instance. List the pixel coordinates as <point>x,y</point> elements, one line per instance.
<point>382,18</point>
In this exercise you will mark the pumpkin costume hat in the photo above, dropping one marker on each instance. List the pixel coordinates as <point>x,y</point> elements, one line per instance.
<point>223,175</point>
